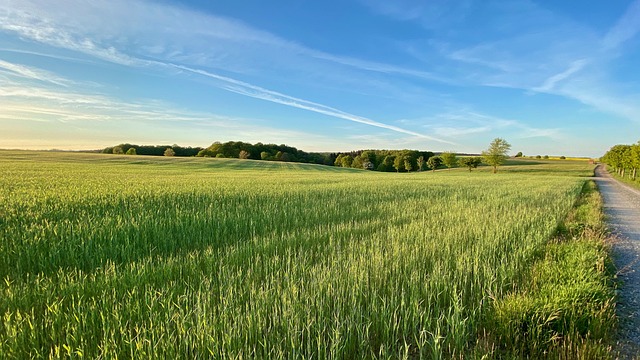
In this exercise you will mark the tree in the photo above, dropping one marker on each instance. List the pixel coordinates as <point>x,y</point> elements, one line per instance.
<point>407,165</point>
<point>118,150</point>
<point>244,154</point>
<point>398,163</point>
<point>369,156</point>
<point>387,163</point>
<point>264,155</point>
<point>471,162</point>
<point>346,161</point>
<point>357,162</point>
<point>519,154</point>
<point>635,159</point>
<point>421,163</point>
<point>285,157</point>
<point>434,162</point>
<point>546,157</point>
<point>496,154</point>
<point>131,151</point>
<point>563,157</point>
<point>169,152</point>
<point>449,159</point>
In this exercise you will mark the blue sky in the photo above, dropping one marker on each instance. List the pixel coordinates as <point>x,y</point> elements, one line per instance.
<point>551,77</point>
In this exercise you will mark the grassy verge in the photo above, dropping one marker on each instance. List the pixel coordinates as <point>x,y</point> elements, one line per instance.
<point>625,179</point>
<point>568,309</point>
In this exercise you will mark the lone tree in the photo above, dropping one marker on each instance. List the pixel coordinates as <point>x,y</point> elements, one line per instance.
<point>169,152</point>
<point>421,163</point>
<point>407,164</point>
<point>434,162</point>
<point>496,154</point>
<point>398,163</point>
<point>470,162</point>
<point>449,159</point>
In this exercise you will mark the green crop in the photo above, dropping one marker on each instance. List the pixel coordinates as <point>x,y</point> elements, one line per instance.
<point>104,256</point>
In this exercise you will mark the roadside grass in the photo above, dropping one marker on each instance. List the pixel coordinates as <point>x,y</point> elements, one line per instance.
<point>567,308</point>
<point>625,179</point>
<point>105,256</point>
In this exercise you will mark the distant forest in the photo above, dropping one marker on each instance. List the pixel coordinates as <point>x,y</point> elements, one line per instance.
<point>379,160</point>
<point>153,150</point>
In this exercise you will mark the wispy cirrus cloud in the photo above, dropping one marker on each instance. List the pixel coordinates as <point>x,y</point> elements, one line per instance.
<point>257,92</point>
<point>625,28</point>
<point>70,114</point>
<point>178,49</point>
<point>105,29</point>
<point>30,73</point>
<point>430,14</point>
<point>550,83</point>
<point>465,123</point>
<point>542,52</point>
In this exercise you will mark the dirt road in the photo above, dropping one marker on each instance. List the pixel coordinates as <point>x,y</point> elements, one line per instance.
<point>622,207</point>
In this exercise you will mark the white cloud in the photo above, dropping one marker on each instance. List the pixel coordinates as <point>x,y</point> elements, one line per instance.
<point>92,35</point>
<point>551,82</point>
<point>625,28</point>
<point>26,72</point>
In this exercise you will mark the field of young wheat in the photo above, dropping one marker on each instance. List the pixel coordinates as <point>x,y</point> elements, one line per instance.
<point>106,256</point>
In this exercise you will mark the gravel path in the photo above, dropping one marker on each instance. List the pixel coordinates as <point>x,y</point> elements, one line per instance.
<point>622,207</point>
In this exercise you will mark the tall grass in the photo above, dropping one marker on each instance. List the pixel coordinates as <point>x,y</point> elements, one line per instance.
<point>105,256</point>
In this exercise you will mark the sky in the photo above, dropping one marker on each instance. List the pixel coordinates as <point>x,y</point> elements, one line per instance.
<point>550,77</point>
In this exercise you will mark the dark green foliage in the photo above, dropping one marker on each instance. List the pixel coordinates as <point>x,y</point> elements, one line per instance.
<point>380,160</point>
<point>434,162</point>
<point>622,158</point>
<point>260,151</point>
<point>449,159</point>
<point>471,162</point>
<point>357,162</point>
<point>519,154</point>
<point>346,161</point>
<point>398,163</point>
<point>384,160</point>
<point>154,150</point>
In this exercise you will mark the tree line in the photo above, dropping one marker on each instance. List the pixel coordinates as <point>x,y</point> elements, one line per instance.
<point>376,160</point>
<point>269,152</point>
<point>623,158</point>
<point>153,150</point>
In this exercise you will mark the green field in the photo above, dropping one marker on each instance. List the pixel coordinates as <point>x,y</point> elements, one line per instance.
<point>136,257</point>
